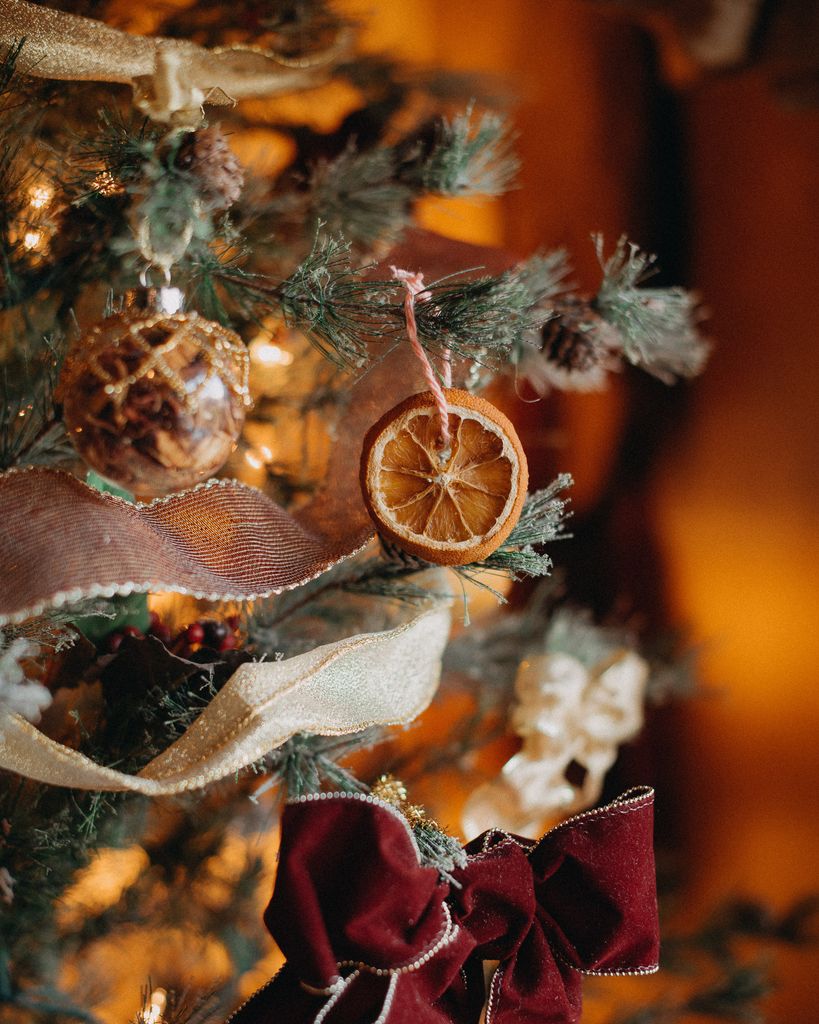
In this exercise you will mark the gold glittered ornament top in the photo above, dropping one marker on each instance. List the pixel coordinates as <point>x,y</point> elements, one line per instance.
<point>393,791</point>
<point>153,398</point>
<point>390,790</point>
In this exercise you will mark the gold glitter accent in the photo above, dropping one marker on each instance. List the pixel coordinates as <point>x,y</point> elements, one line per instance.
<point>107,185</point>
<point>171,78</point>
<point>337,48</point>
<point>390,790</point>
<point>417,815</point>
<point>261,706</point>
<point>220,349</point>
<point>393,791</point>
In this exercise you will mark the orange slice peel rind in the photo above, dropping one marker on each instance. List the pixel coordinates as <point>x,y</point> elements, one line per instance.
<point>449,507</point>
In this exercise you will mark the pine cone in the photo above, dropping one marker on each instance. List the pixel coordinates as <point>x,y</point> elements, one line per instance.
<point>569,338</point>
<point>207,155</point>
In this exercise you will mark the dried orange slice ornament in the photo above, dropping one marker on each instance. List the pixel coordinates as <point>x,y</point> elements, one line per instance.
<point>448,507</point>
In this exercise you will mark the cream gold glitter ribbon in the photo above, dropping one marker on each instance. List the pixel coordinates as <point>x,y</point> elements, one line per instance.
<point>171,78</point>
<point>385,678</point>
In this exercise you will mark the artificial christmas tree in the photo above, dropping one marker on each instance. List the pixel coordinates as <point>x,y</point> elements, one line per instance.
<point>190,642</point>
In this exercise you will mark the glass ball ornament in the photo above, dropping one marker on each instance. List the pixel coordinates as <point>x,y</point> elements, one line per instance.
<point>154,398</point>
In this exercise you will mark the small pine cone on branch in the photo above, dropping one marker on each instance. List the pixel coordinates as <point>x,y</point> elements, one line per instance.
<point>570,339</point>
<point>207,155</point>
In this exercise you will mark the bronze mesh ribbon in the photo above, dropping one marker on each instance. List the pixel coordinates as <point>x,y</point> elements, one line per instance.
<point>62,541</point>
<point>385,678</point>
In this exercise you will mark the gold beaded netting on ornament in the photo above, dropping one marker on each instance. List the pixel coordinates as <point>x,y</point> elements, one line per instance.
<point>155,401</point>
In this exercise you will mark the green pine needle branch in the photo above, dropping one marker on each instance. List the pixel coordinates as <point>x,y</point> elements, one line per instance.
<point>542,520</point>
<point>303,764</point>
<point>658,326</point>
<point>470,157</point>
<point>343,311</point>
<point>359,197</point>
<point>30,432</point>
<point>393,575</point>
<point>367,195</point>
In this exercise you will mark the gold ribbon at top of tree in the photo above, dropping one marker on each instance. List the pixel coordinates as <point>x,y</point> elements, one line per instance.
<point>172,79</point>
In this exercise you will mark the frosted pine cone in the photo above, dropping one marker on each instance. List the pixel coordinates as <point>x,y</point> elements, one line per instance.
<point>207,155</point>
<point>569,339</point>
<point>575,350</point>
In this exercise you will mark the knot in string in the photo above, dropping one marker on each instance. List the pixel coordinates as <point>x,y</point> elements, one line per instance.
<point>416,292</point>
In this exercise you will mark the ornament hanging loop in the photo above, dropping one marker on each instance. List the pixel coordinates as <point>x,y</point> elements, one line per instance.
<point>149,299</point>
<point>170,250</point>
<point>162,240</point>
<point>144,276</point>
<point>417,292</point>
<point>162,298</point>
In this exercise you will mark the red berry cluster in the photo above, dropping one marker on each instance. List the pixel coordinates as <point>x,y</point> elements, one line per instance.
<point>216,634</point>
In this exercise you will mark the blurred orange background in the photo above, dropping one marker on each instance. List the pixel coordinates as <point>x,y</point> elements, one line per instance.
<point>721,179</point>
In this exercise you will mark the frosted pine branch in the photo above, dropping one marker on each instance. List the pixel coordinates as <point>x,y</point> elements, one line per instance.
<point>342,311</point>
<point>657,326</point>
<point>470,157</point>
<point>357,196</point>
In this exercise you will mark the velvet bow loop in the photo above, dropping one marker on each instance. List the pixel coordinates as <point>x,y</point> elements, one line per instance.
<point>363,925</point>
<point>594,880</point>
<point>582,900</point>
<point>372,936</point>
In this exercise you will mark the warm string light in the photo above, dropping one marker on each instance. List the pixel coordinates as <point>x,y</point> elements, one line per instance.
<point>259,457</point>
<point>266,353</point>
<point>40,196</point>
<point>33,229</point>
<point>270,360</point>
<point>153,1012</point>
<point>269,364</point>
<point>32,240</point>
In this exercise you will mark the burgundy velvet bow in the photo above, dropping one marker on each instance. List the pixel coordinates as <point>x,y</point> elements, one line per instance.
<point>372,937</point>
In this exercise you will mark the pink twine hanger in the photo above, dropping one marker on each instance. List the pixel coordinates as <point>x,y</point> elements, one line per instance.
<point>416,292</point>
